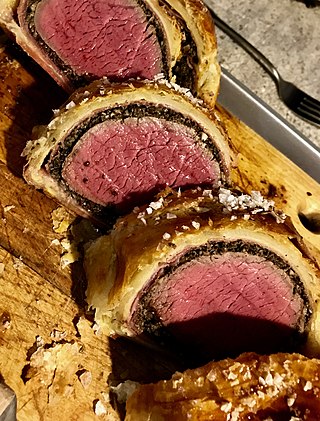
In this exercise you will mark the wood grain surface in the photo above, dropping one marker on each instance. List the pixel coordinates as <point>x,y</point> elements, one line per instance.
<point>50,354</point>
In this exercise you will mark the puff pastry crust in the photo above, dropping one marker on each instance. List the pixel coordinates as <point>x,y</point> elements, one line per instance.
<point>174,17</point>
<point>121,265</point>
<point>102,96</point>
<point>251,387</point>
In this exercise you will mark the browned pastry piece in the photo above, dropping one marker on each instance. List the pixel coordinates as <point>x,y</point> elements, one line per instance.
<point>211,276</point>
<point>79,41</point>
<point>279,387</point>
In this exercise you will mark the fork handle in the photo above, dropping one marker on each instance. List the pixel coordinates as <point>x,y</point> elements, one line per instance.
<point>247,46</point>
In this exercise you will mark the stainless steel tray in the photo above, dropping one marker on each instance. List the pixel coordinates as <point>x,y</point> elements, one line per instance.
<point>244,104</point>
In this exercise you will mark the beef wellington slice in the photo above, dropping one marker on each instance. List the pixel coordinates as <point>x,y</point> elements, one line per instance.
<point>211,277</point>
<point>252,387</point>
<point>113,147</point>
<point>78,41</point>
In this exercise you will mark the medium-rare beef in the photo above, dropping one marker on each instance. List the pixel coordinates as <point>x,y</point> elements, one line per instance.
<point>78,41</point>
<point>113,147</point>
<point>252,387</point>
<point>214,277</point>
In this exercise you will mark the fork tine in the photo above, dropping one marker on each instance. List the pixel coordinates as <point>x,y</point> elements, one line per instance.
<point>311,103</point>
<point>307,115</point>
<point>309,108</point>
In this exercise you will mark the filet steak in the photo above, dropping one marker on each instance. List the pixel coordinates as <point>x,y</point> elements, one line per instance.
<point>205,278</point>
<point>107,153</point>
<point>79,41</point>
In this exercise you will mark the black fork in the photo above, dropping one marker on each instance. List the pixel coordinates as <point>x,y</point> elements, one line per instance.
<point>297,100</point>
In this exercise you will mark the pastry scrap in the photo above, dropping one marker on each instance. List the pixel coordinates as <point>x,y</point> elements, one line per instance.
<point>79,41</point>
<point>113,147</point>
<point>209,277</point>
<point>251,387</point>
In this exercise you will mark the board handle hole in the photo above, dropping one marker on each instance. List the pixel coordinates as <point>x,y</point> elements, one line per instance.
<point>310,221</point>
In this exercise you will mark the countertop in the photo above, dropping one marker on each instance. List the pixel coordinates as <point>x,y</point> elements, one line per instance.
<point>287,33</point>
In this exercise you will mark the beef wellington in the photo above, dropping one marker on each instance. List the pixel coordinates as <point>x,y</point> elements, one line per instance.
<point>79,41</point>
<point>112,147</point>
<point>210,276</point>
<point>252,387</point>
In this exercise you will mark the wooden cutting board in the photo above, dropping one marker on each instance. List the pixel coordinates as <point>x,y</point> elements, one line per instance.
<point>50,353</point>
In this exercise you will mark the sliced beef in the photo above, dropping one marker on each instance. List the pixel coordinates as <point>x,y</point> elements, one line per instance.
<point>229,303</point>
<point>78,41</point>
<point>208,276</point>
<point>98,38</point>
<point>125,162</point>
<point>106,154</point>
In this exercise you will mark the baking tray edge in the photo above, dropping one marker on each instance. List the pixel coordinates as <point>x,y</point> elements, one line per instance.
<point>255,113</point>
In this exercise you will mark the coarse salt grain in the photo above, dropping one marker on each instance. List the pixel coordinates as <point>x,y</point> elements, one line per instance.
<point>250,402</point>
<point>195,224</point>
<point>254,201</point>
<point>235,382</point>
<point>149,210</point>
<point>307,386</point>
<point>70,105</point>
<point>226,407</point>
<point>166,236</point>
<point>171,216</point>
<point>207,193</point>
<point>290,401</point>
<point>159,77</point>
<point>232,376</point>
<point>185,228</point>
<point>212,376</point>
<point>247,375</point>
<point>200,381</point>
<point>177,382</point>
<point>269,379</point>
<point>262,381</point>
<point>277,380</point>
<point>235,415</point>
<point>156,205</point>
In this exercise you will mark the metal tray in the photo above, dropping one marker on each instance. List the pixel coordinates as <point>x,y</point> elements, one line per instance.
<point>244,104</point>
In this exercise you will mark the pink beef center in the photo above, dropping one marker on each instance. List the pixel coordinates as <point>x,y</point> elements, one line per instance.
<point>100,37</point>
<point>127,162</point>
<point>230,302</point>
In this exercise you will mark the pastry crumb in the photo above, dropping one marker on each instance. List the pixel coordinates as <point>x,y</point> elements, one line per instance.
<point>8,208</point>
<point>99,408</point>
<point>85,379</point>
